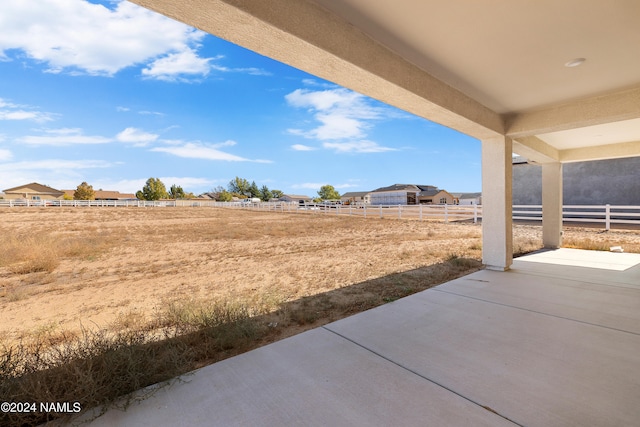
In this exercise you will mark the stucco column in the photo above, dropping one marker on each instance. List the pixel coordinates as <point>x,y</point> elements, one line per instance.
<point>497,232</point>
<point>552,205</point>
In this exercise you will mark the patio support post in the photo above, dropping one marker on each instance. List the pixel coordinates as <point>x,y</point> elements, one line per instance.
<point>552,205</point>
<point>497,233</point>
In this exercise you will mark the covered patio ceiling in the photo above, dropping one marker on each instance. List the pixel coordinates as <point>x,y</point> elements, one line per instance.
<point>482,68</point>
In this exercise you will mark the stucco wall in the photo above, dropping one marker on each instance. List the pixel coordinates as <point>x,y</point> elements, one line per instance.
<point>614,182</point>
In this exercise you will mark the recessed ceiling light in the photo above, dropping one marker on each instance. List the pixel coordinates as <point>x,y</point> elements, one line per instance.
<point>574,62</point>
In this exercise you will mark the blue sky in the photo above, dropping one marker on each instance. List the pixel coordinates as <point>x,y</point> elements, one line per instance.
<point>112,94</point>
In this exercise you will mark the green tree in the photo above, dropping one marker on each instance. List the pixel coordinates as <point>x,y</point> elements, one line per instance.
<point>224,196</point>
<point>84,191</point>
<point>265,193</point>
<point>239,186</point>
<point>276,193</point>
<point>215,192</point>
<point>327,192</point>
<point>176,192</point>
<point>254,190</point>
<point>154,189</point>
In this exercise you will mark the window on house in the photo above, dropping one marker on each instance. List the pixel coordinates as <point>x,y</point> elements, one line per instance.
<point>35,197</point>
<point>443,200</point>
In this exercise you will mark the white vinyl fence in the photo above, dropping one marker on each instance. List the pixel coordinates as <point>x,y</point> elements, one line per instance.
<point>444,213</point>
<point>599,214</point>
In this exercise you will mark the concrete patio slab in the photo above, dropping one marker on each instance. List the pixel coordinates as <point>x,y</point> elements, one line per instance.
<point>575,299</point>
<point>576,257</point>
<point>531,368</point>
<point>524,347</point>
<point>590,266</point>
<point>315,378</point>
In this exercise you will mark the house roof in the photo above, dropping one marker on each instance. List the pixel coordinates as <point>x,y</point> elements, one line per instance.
<point>208,196</point>
<point>296,196</point>
<point>428,193</point>
<point>397,187</point>
<point>406,187</point>
<point>355,194</point>
<point>484,68</point>
<point>427,187</point>
<point>34,187</point>
<point>469,195</point>
<point>105,194</point>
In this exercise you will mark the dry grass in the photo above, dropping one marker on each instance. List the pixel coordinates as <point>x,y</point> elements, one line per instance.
<point>602,240</point>
<point>96,303</point>
<point>26,253</point>
<point>196,253</point>
<point>98,366</point>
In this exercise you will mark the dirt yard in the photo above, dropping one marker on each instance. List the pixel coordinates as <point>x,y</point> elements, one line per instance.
<point>67,268</point>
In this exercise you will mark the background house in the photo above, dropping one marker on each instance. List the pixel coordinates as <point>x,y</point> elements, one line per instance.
<point>436,196</point>
<point>295,198</point>
<point>114,195</point>
<point>105,195</point>
<point>33,191</point>
<point>468,198</point>
<point>410,194</point>
<point>356,197</point>
<point>396,194</point>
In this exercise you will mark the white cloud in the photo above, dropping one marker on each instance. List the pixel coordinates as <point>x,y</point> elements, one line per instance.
<point>173,66</point>
<point>316,185</point>
<point>356,147</point>
<point>55,164</point>
<point>11,111</point>
<point>80,37</point>
<point>309,185</point>
<point>5,155</point>
<point>344,117</point>
<point>192,184</point>
<point>138,137</point>
<point>252,71</point>
<point>56,173</point>
<point>24,115</point>
<point>227,143</point>
<point>341,186</point>
<point>335,125</point>
<point>62,137</point>
<point>194,150</point>
<point>122,109</point>
<point>316,83</point>
<point>300,147</point>
<point>123,185</point>
<point>325,100</point>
